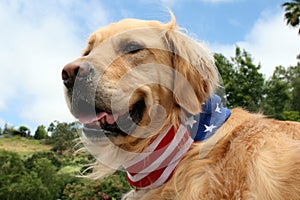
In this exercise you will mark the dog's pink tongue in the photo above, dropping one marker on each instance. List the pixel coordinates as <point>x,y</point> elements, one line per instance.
<point>110,119</point>
<point>87,119</point>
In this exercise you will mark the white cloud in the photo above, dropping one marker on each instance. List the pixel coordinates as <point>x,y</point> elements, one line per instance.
<point>172,2</point>
<point>37,40</point>
<point>168,2</point>
<point>270,42</point>
<point>218,1</point>
<point>2,123</point>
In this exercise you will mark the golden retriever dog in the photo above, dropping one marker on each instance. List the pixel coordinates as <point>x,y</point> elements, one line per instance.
<point>146,95</point>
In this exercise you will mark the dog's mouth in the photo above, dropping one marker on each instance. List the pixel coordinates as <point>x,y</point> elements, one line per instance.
<point>110,123</point>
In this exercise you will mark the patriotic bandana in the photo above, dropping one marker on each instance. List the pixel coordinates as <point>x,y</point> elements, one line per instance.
<point>155,165</point>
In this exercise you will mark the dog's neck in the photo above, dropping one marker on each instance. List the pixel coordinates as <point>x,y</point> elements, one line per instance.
<point>156,164</point>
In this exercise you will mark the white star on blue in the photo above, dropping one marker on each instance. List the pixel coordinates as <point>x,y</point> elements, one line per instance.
<point>211,118</point>
<point>209,128</point>
<point>190,121</point>
<point>218,109</point>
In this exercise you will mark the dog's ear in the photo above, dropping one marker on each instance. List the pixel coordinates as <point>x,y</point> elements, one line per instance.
<point>195,76</point>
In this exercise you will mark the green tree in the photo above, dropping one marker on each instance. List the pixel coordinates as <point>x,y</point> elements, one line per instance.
<point>249,81</point>
<point>11,130</point>
<point>10,163</point>
<point>16,183</point>
<point>292,13</point>
<point>29,163</point>
<point>34,179</point>
<point>227,73</point>
<point>40,133</point>
<point>293,76</point>
<point>242,80</point>
<point>24,130</point>
<point>63,135</point>
<point>277,95</point>
<point>291,116</point>
<point>47,173</point>
<point>28,187</point>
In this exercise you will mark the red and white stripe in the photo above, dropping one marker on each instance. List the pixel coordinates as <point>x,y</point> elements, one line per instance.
<point>155,165</point>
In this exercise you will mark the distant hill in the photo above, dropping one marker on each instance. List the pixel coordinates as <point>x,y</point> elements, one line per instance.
<point>23,146</point>
<point>33,170</point>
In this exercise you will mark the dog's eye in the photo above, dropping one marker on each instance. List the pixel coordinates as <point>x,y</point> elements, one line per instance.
<point>86,53</point>
<point>132,48</point>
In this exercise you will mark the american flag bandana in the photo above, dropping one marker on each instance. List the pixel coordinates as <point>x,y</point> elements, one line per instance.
<point>156,164</point>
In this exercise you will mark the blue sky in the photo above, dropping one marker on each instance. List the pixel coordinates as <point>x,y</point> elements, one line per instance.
<point>39,37</point>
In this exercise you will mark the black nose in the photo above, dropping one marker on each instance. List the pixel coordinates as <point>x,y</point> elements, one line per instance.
<point>73,70</point>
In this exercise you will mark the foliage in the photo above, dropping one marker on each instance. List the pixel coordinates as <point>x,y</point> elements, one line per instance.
<point>291,115</point>
<point>40,177</point>
<point>25,130</point>
<point>40,133</point>
<point>11,164</point>
<point>112,187</point>
<point>277,95</point>
<point>282,93</point>
<point>51,174</point>
<point>292,13</point>
<point>249,81</point>
<point>34,178</point>
<point>63,136</point>
<point>46,172</point>
<point>21,131</point>
<point>242,79</point>
<point>16,183</point>
<point>55,161</point>
<point>293,76</point>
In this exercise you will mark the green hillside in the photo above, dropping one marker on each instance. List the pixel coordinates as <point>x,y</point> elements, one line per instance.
<point>23,146</point>
<point>48,168</point>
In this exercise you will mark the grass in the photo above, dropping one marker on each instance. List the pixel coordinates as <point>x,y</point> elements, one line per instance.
<point>23,146</point>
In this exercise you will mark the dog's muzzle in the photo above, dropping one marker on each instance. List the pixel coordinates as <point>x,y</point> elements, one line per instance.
<point>89,108</point>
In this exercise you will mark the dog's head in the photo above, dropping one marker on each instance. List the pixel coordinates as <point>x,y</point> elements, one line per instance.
<point>136,77</point>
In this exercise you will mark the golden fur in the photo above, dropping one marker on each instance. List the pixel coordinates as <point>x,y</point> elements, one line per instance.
<point>249,157</point>
<point>254,158</point>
